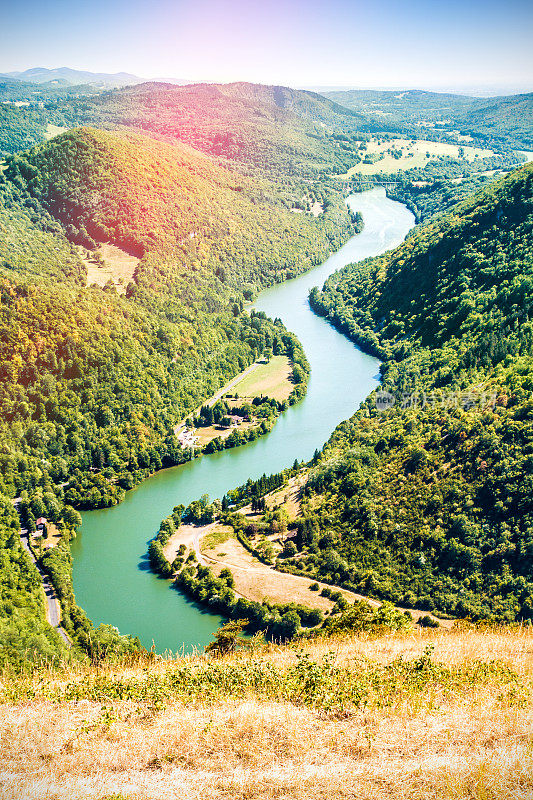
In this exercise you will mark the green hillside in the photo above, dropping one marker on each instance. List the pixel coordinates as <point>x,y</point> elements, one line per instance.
<point>412,105</point>
<point>424,496</point>
<point>147,195</point>
<point>503,120</point>
<point>272,129</point>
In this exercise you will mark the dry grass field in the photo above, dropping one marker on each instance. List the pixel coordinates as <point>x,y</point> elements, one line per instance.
<point>415,154</point>
<point>372,719</point>
<point>210,432</point>
<point>271,380</point>
<point>116,266</point>
<point>256,581</point>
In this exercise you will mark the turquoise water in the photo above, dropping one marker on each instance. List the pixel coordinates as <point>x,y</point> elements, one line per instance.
<point>110,571</point>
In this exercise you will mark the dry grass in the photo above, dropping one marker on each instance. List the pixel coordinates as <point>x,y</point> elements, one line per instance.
<point>474,742</point>
<point>208,433</point>
<point>256,581</point>
<point>271,380</point>
<point>118,267</point>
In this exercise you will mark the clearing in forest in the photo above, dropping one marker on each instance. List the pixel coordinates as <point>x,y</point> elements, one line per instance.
<point>270,379</point>
<point>109,263</point>
<point>413,154</point>
<point>54,130</point>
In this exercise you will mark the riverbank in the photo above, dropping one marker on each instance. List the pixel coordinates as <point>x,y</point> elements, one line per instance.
<point>216,546</point>
<point>246,407</point>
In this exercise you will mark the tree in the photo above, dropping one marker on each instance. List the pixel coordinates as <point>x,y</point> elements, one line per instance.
<point>289,549</point>
<point>227,638</point>
<point>71,517</point>
<point>286,627</point>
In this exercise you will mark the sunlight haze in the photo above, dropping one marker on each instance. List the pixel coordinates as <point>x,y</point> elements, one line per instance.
<point>441,45</point>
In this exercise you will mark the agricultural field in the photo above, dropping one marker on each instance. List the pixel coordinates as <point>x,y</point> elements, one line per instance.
<point>270,379</point>
<point>399,154</point>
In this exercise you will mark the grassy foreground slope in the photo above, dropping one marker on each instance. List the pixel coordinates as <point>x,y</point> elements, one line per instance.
<point>427,715</point>
<point>426,498</point>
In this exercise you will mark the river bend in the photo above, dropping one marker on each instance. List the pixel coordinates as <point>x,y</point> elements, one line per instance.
<point>112,581</point>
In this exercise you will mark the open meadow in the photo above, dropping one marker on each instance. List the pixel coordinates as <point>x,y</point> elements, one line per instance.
<point>269,379</point>
<point>399,154</point>
<point>109,263</point>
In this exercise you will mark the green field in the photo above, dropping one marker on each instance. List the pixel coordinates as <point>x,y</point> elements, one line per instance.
<point>414,154</point>
<point>270,379</point>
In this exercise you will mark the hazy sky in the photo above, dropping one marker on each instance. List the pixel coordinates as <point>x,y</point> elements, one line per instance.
<point>316,42</point>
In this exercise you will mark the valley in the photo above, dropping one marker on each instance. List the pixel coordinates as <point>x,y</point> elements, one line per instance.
<point>163,236</point>
<point>266,401</point>
<point>119,535</point>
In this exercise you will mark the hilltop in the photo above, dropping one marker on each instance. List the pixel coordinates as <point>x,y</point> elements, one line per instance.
<point>420,716</point>
<point>269,128</point>
<point>412,105</point>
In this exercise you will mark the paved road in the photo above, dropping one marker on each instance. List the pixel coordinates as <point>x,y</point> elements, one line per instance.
<point>53,609</point>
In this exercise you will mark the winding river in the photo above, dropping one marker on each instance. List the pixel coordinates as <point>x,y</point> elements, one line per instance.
<point>112,581</point>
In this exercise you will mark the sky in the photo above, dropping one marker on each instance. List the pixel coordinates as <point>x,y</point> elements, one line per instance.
<point>301,43</point>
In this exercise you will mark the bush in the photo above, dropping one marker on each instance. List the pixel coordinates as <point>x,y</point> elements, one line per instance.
<point>428,622</point>
<point>289,549</point>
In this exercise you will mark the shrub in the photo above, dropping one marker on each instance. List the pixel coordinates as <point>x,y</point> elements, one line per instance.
<point>428,622</point>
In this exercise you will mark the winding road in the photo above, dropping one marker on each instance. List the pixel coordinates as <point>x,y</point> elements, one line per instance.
<point>52,607</point>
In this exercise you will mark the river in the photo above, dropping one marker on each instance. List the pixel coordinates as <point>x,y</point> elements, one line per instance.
<point>112,581</point>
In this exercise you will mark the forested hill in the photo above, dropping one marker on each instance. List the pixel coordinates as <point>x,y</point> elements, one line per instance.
<point>411,105</point>
<point>499,119</point>
<point>425,495</point>
<point>462,283</point>
<point>146,195</point>
<point>268,128</point>
<point>502,118</point>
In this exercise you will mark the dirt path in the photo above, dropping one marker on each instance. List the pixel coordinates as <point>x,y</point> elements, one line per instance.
<point>257,581</point>
<point>190,536</point>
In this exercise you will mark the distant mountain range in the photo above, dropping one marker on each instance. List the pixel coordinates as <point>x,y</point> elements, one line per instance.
<point>64,76</point>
